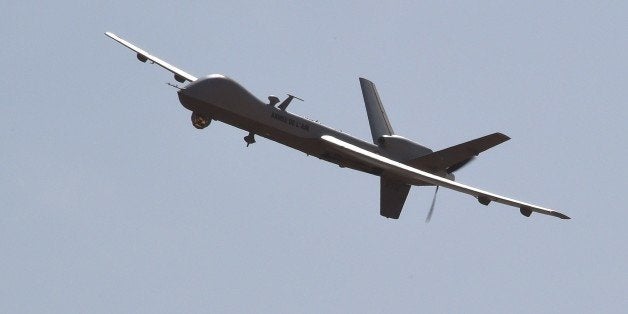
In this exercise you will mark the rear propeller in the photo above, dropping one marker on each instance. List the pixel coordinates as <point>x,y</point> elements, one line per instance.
<point>451,169</point>
<point>429,214</point>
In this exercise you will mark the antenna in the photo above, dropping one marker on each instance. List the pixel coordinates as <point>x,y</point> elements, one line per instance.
<point>175,86</point>
<point>286,102</point>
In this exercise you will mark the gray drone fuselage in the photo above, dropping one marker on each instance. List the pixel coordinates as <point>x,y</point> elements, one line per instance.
<point>218,97</point>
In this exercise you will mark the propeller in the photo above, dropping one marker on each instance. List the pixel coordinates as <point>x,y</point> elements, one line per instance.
<point>429,214</point>
<point>451,169</point>
<point>458,166</point>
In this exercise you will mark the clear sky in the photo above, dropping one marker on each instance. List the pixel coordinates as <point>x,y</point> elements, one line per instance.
<point>111,202</point>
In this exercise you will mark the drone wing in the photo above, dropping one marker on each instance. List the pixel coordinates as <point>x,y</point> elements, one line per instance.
<point>460,154</point>
<point>179,75</point>
<point>415,176</point>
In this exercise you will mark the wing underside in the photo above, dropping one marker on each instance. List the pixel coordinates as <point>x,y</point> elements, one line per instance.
<point>143,56</point>
<point>418,177</point>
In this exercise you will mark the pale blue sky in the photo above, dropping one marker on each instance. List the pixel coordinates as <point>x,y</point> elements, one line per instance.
<point>111,202</point>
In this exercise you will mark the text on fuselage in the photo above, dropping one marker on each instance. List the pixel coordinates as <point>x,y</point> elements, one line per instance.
<point>289,121</point>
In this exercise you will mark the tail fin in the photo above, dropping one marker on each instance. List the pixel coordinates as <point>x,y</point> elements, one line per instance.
<point>393,194</point>
<point>375,111</point>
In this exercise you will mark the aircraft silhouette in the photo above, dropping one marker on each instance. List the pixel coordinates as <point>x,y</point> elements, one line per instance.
<point>398,161</point>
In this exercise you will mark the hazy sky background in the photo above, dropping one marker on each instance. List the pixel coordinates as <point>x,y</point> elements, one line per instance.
<point>111,202</point>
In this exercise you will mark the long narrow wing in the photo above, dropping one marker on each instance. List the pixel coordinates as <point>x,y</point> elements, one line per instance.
<point>416,176</point>
<point>449,157</point>
<point>179,75</point>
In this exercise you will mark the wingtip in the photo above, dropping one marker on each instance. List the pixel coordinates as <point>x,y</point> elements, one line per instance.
<point>503,136</point>
<point>560,215</point>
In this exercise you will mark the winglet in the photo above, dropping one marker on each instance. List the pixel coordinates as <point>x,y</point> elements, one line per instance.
<point>179,75</point>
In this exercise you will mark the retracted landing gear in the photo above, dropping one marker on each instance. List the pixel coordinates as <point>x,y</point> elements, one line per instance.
<point>199,121</point>
<point>249,139</point>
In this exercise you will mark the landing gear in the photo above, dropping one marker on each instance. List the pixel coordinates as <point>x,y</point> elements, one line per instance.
<point>199,121</point>
<point>249,139</point>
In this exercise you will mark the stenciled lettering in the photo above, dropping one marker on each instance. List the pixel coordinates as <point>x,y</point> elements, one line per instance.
<point>289,121</point>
